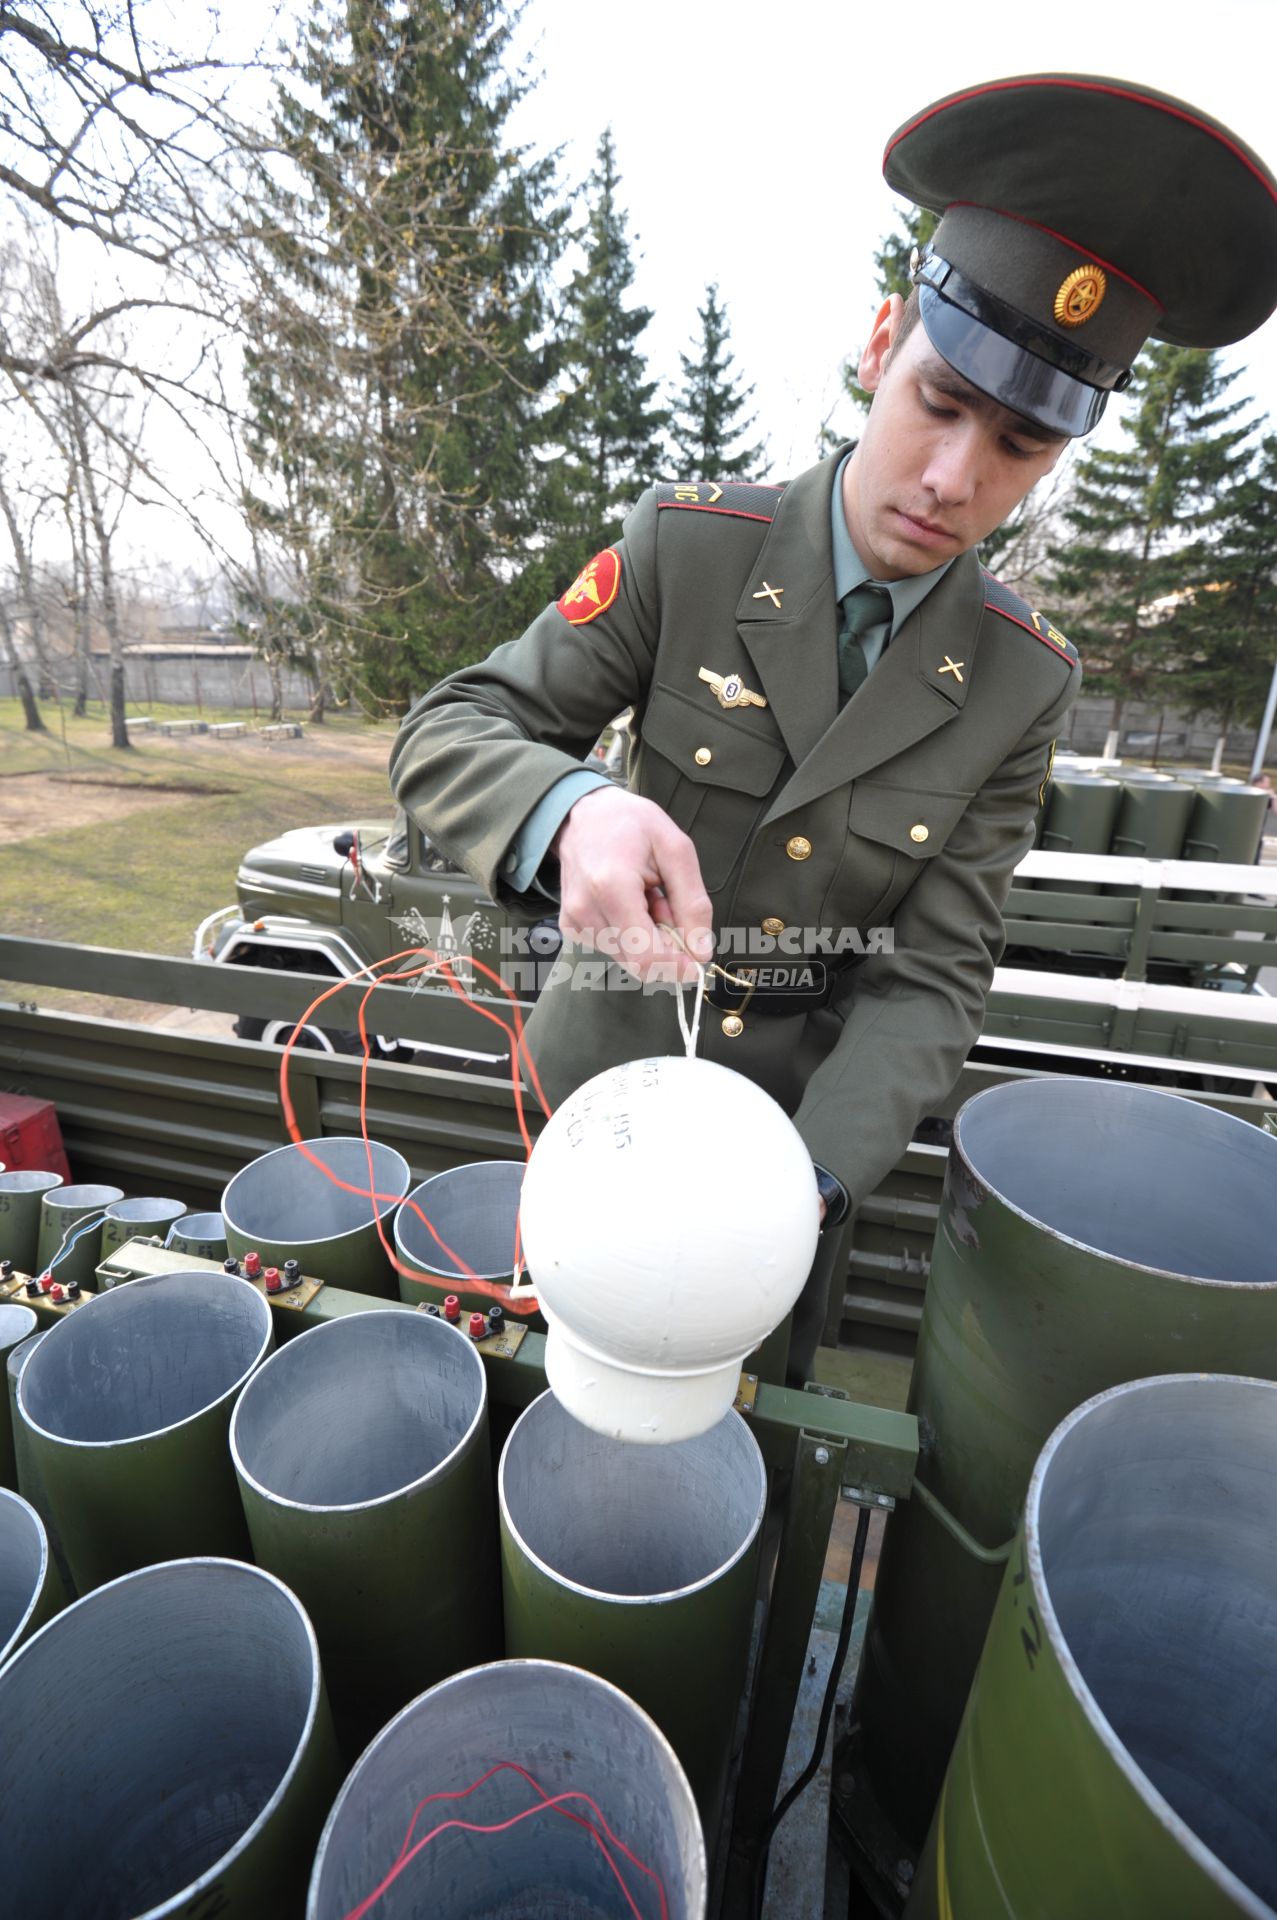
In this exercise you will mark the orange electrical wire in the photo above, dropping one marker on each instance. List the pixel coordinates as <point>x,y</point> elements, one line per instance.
<point>548,1803</point>
<point>377,974</point>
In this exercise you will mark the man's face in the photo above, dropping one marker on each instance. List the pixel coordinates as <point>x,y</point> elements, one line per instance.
<point>939,465</point>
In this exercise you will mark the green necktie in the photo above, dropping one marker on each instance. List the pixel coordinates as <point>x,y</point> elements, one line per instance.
<point>862,608</point>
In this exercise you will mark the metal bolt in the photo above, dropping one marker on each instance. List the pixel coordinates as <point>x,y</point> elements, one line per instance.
<point>821,1456</point>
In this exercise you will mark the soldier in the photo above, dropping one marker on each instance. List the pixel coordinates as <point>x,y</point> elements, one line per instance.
<point>843,724</point>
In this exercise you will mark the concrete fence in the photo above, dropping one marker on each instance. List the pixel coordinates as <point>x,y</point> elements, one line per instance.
<point>228,676</point>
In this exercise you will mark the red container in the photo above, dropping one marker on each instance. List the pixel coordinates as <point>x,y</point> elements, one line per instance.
<point>30,1137</point>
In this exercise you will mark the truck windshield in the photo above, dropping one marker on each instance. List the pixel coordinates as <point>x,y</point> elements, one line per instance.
<point>396,848</point>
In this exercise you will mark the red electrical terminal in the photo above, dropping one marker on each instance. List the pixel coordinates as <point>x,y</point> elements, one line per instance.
<point>274,1280</point>
<point>55,1291</point>
<point>253,1264</point>
<point>451,1308</point>
<point>478,1326</point>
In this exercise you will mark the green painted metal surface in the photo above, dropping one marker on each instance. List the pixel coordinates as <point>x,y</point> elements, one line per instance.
<point>17,1323</point>
<point>639,1564</point>
<point>1080,815</point>
<point>31,1589</point>
<point>1153,817</point>
<point>1117,1752</point>
<point>818,1470</point>
<point>1226,823</point>
<point>132,1460</point>
<point>137,1219</point>
<point>285,1208</point>
<point>362,1454</point>
<point>21,1201</point>
<point>62,1210</point>
<point>190,1695</point>
<point>1090,1233</point>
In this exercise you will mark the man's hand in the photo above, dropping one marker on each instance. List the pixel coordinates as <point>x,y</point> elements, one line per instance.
<point>627,875</point>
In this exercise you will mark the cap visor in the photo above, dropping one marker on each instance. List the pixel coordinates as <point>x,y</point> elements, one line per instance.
<point>1011,375</point>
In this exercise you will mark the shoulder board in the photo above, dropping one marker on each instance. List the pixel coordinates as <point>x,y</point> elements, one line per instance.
<point>741,499</point>
<point>1000,599</point>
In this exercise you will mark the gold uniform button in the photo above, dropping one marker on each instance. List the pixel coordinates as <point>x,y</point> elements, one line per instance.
<point>703,756</point>
<point>798,848</point>
<point>773,926</point>
<point>919,833</point>
<point>733,1026</point>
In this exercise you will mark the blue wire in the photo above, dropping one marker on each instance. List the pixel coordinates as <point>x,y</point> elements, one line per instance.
<point>81,1228</point>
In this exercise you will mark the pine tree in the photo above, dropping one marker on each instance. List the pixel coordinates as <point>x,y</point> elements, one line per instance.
<point>1135,512</point>
<point>706,424</point>
<point>611,428</point>
<point>1222,636</point>
<point>400,361</point>
<point>917,224</point>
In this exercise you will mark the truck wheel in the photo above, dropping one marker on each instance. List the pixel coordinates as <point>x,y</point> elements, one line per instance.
<point>274,1033</point>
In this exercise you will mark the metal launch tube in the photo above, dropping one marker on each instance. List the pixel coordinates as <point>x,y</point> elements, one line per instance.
<point>125,1406</point>
<point>26,1470</point>
<point>639,1563</point>
<point>288,1209</point>
<point>364,1468</point>
<point>129,1219</point>
<point>1091,1232</point>
<point>21,1202</point>
<point>1119,1750</point>
<point>574,1733</point>
<point>61,1211</point>
<point>202,1234</point>
<point>178,1717</point>
<point>474,1209</point>
<point>30,1590</point>
<point>17,1323</point>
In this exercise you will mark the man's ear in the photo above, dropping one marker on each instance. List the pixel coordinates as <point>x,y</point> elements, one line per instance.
<point>873,358</point>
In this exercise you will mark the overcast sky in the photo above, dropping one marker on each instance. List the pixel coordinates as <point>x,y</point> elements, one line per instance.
<point>750,140</point>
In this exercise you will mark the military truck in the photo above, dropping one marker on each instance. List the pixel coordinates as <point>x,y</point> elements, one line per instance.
<point>332,899</point>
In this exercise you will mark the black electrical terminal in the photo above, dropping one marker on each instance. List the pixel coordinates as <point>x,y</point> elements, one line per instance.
<point>230,1264</point>
<point>34,1289</point>
<point>433,1308</point>
<point>73,1290</point>
<point>496,1320</point>
<point>6,1269</point>
<point>292,1273</point>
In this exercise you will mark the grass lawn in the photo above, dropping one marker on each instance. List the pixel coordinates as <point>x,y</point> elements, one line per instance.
<point>172,821</point>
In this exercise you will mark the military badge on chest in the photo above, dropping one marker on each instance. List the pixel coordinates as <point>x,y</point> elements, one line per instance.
<point>730,690</point>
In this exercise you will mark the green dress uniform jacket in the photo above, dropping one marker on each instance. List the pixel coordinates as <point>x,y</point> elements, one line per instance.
<point>908,809</point>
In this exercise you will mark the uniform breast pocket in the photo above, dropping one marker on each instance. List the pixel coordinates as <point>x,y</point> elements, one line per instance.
<point>892,833</point>
<point>711,771</point>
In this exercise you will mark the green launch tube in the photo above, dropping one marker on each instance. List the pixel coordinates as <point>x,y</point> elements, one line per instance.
<point>1119,1747</point>
<point>180,1714</point>
<point>125,1406</point>
<point>284,1207</point>
<point>362,1454</point>
<point>638,1563</point>
<point>1091,1232</point>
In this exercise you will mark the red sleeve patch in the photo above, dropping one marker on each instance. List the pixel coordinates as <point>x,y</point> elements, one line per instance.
<point>593,590</point>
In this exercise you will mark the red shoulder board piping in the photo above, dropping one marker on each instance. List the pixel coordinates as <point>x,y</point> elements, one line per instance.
<point>740,499</point>
<point>1000,599</point>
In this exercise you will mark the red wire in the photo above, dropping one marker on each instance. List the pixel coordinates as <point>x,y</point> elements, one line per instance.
<point>520,1302</point>
<point>549,1803</point>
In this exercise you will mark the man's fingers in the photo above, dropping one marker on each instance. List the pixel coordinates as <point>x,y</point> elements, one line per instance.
<point>629,877</point>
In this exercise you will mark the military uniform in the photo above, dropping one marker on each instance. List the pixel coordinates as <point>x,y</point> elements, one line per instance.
<point>908,809</point>
<point>715,618</point>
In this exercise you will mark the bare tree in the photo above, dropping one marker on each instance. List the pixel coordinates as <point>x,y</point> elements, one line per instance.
<point>110,134</point>
<point>20,513</point>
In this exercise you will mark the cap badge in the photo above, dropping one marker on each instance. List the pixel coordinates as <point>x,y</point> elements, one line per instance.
<point>1080,295</point>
